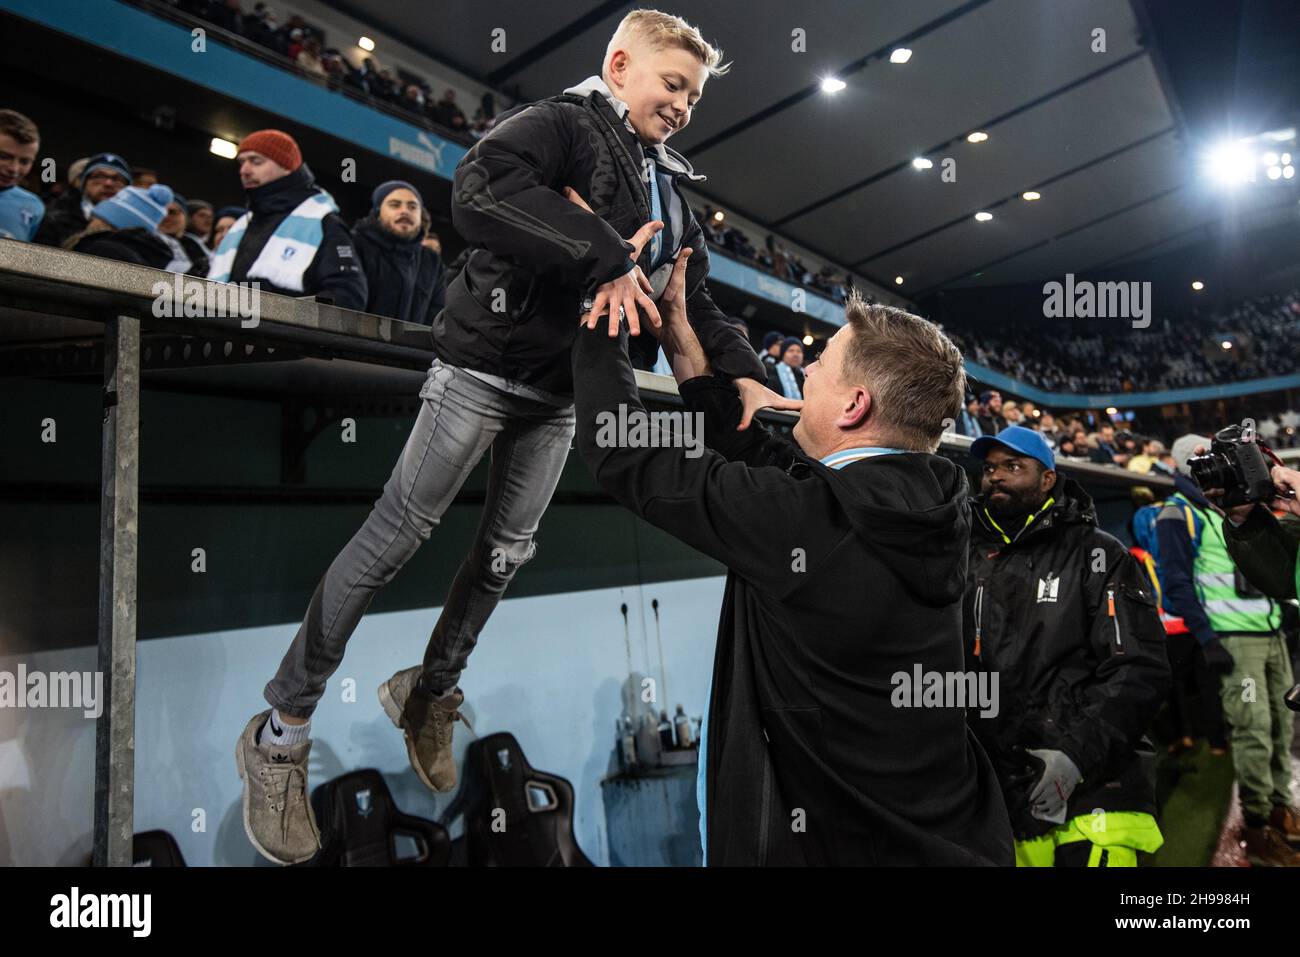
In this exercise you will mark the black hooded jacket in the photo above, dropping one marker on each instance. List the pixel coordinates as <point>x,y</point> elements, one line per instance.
<point>1068,621</point>
<point>334,272</point>
<point>63,219</point>
<point>137,245</point>
<point>404,280</point>
<point>838,581</point>
<point>513,310</point>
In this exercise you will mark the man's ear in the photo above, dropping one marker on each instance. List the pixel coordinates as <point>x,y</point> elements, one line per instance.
<point>856,409</point>
<point>1049,485</point>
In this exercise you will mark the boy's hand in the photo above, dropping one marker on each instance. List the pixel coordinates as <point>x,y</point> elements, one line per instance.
<point>755,396</point>
<point>621,296</point>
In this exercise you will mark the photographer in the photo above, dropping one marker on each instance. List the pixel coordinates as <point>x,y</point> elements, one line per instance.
<point>1247,625</point>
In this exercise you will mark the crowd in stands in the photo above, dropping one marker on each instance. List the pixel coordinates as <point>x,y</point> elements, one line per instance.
<point>773,256</point>
<point>308,47</point>
<point>1169,355</point>
<point>289,237</point>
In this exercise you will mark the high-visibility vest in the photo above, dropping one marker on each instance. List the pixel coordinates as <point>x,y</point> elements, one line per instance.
<point>1216,584</point>
<point>1173,624</point>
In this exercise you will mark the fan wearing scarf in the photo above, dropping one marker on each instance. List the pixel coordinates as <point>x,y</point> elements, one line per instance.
<point>291,239</point>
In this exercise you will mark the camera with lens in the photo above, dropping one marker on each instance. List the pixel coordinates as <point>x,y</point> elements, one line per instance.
<point>1235,464</point>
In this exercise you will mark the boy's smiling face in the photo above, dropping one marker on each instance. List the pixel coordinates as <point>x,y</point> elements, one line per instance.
<point>660,87</point>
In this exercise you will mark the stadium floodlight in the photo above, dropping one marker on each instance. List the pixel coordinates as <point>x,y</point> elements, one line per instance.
<point>898,280</point>
<point>1275,172</point>
<point>1288,172</point>
<point>719,215</point>
<point>223,148</point>
<point>1226,344</point>
<point>833,85</point>
<point>979,136</point>
<point>807,340</point>
<point>983,217</point>
<point>1031,195</point>
<point>1269,159</point>
<point>922,163</point>
<point>1286,159</point>
<point>1230,163</point>
<point>1111,410</point>
<point>366,44</point>
<point>1198,285</point>
<point>900,55</point>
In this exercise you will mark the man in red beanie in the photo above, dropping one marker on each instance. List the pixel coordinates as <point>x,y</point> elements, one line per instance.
<point>291,240</point>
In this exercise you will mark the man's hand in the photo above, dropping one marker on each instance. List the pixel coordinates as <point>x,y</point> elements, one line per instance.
<point>1287,480</point>
<point>1050,797</point>
<point>755,396</point>
<point>623,295</point>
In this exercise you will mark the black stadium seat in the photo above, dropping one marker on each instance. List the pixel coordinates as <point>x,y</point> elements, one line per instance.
<point>362,827</point>
<point>515,815</point>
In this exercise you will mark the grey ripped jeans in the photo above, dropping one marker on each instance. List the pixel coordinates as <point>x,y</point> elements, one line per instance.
<point>460,417</point>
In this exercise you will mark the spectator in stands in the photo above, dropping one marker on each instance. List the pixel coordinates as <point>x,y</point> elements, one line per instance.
<point>991,420</point>
<point>771,353</point>
<point>200,220</point>
<point>1106,451</point>
<point>1081,654</point>
<point>968,420</point>
<point>292,240</point>
<point>124,227</point>
<point>223,219</point>
<point>309,58</point>
<point>786,376</point>
<point>413,99</point>
<point>1145,461</point>
<point>1011,412</point>
<point>1239,636</point>
<point>104,175</point>
<point>1047,429</point>
<point>188,253</point>
<point>21,212</point>
<point>447,113</point>
<point>143,177</point>
<point>404,279</point>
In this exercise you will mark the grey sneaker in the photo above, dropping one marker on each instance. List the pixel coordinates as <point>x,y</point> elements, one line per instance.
<point>426,722</point>
<point>277,815</point>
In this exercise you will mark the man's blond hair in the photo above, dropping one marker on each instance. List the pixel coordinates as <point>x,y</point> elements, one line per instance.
<point>657,30</point>
<point>912,370</point>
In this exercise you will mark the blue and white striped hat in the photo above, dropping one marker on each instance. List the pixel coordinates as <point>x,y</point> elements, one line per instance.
<point>135,208</point>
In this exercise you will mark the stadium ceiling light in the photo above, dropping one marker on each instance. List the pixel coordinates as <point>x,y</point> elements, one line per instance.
<point>1288,172</point>
<point>1198,285</point>
<point>366,44</point>
<point>1286,159</point>
<point>898,280</point>
<point>1269,159</point>
<point>807,340</point>
<point>922,163</point>
<point>979,136</point>
<point>1226,344</point>
<point>1111,410</point>
<point>719,215</point>
<point>1031,195</point>
<point>223,148</point>
<point>1230,163</point>
<point>1275,172</point>
<point>983,217</point>
<point>901,55</point>
<point>833,85</point>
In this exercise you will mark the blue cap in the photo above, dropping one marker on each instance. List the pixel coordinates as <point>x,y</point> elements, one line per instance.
<point>1018,439</point>
<point>134,207</point>
<point>108,161</point>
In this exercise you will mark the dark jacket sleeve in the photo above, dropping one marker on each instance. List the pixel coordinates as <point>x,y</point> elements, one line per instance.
<point>728,350</point>
<point>719,404</point>
<point>336,272</point>
<point>749,519</point>
<point>507,198</point>
<point>439,297</point>
<point>1132,678</point>
<point>1177,556</point>
<point>1264,548</point>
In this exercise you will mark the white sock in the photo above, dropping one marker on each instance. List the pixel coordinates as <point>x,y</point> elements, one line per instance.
<point>276,731</point>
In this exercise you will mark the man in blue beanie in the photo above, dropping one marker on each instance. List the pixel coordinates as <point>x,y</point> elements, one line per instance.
<point>786,376</point>
<point>102,177</point>
<point>125,227</point>
<point>404,277</point>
